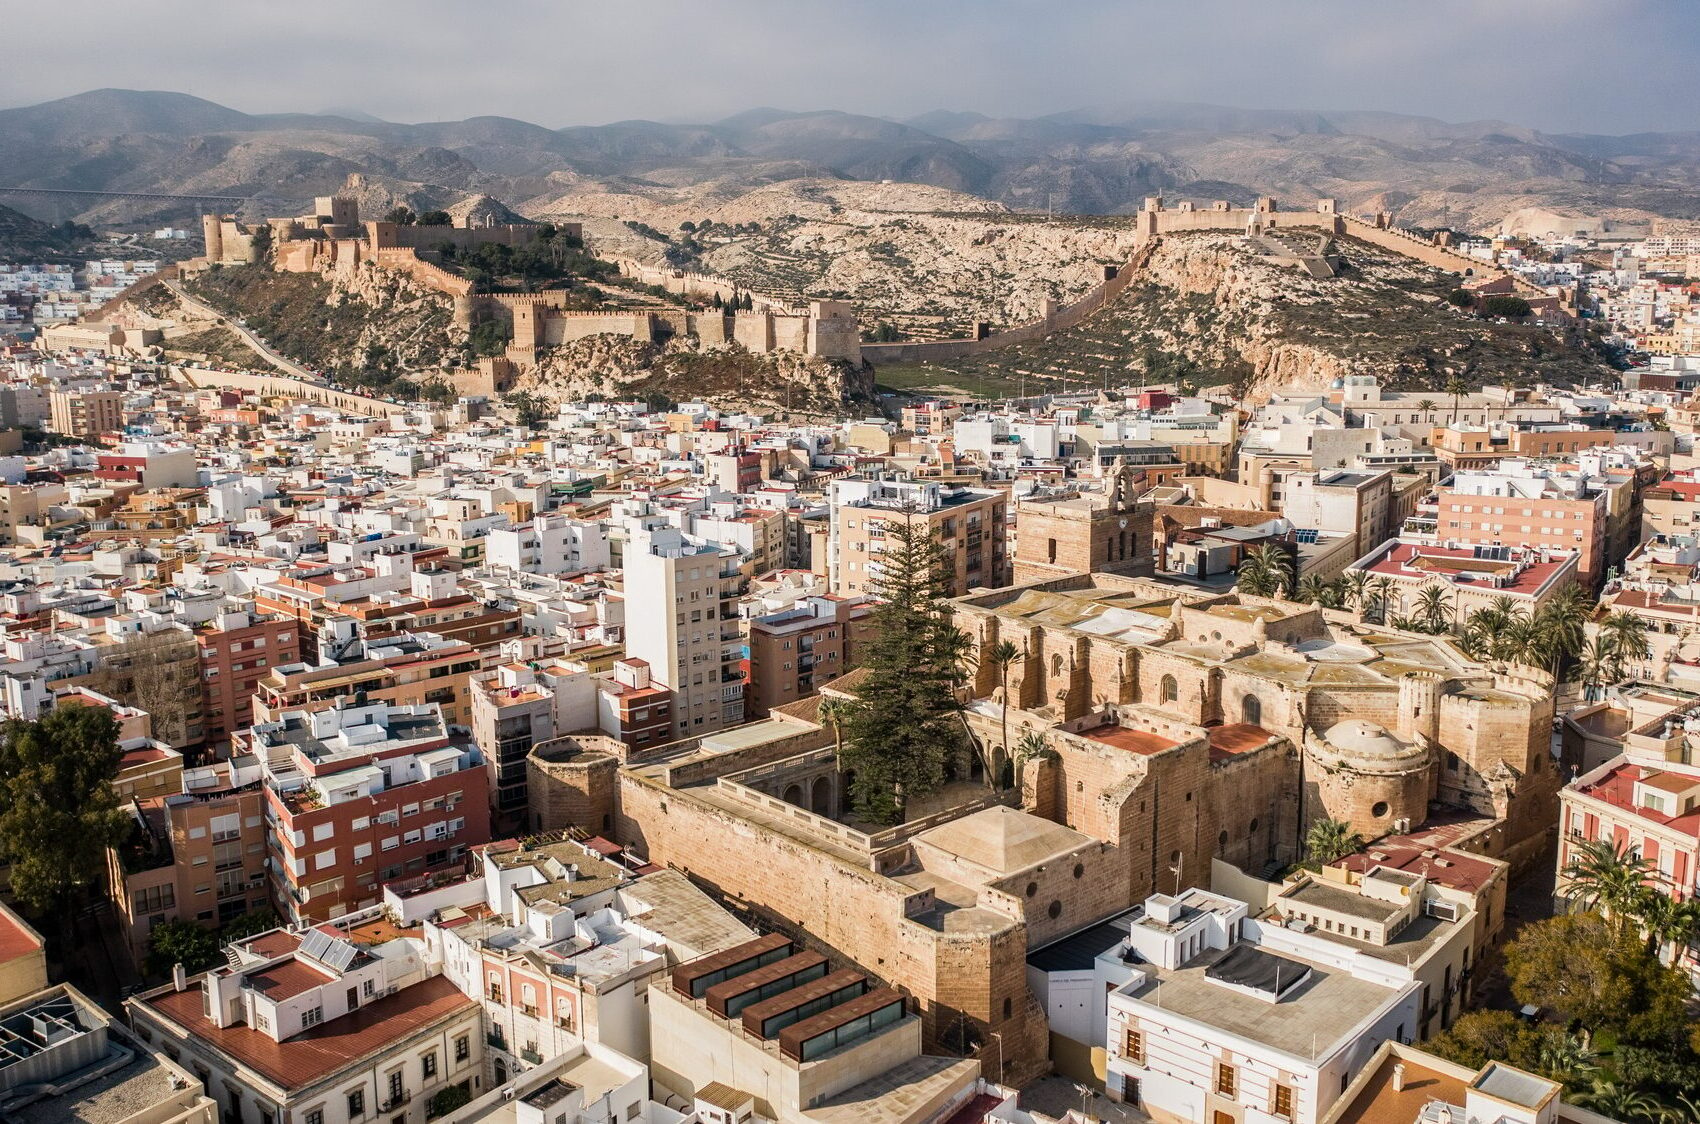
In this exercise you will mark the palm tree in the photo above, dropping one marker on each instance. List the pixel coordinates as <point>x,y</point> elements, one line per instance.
<point>1328,840</point>
<point>1003,656</point>
<point>1433,610</point>
<point>1456,387</point>
<point>1310,590</point>
<point>1667,923</point>
<point>1601,876</point>
<point>1426,405</point>
<point>1354,589</point>
<point>833,712</point>
<point>1629,633</point>
<point>1380,592</point>
<point>1621,1102</point>
<point>1561,625</point>
<point>1567,1058</point>
<point>1598,664</point>
<point>1265,571</point>
<point>1031,744</point>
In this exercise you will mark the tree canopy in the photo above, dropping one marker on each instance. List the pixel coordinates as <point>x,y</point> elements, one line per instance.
<point>1590,970</point>
<point>901,730</point>
<point>58,809</point>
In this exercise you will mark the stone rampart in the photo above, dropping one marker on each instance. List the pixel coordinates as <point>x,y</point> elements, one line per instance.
<point>282,386</point>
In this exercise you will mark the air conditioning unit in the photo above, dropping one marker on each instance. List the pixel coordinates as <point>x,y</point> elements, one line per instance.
<point>1444,910</point>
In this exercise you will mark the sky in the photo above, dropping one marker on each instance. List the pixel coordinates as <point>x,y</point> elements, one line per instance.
<point>1619,66</point>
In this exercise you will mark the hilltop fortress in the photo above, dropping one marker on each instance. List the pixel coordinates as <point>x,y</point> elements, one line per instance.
<point>1155,220</point>
<point>333,240</point>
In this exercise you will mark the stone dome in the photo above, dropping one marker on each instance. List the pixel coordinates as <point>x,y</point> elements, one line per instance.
<point>1364,739</point>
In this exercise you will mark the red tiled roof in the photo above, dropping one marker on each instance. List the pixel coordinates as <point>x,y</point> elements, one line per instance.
<point>1617,788</point>
<point>1236,738</point>
<point>274,943</point>
<point>16,940</point>
<point>342,1042</point>
<point>290,977</point>
<point>1454,869</point>
<point>1141,742</point>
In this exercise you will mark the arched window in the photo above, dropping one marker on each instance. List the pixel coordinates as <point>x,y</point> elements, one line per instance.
<point>1056,665</point>
<point>1251,710</point>
<point>1169,689</point>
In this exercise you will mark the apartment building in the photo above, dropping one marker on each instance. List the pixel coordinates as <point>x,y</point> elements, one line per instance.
<point>1644,801</point>
<point>1207,1023</point>
<point>632,707</point>
<point>1360,504</point>
<point>794,651</point>
<point>681,620</point>
<point>549,544</point>
<point>86,414</point>
<point>969,522</point>
<point>405,670</point>
<point>1529,504</point>
<point>198,854</point>
<point>1470,577</point>
<point>759,535</point>
<point>323,1025</point>
<point>514,707</point>
<point>360,795</point>
<point>556,939</point>
<point>238,650</point>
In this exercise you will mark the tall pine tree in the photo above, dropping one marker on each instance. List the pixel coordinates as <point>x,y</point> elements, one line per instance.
<point>901,729</point>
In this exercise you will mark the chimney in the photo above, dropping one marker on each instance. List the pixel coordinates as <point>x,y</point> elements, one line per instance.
<point>1398,1077</point>
<point>572,872</point>
<point>179,978</point>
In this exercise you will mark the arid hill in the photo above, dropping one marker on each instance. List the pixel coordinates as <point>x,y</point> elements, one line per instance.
<point>1210,309</point>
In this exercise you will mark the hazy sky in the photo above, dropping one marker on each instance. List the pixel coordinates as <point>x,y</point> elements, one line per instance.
<point>1595,65</point>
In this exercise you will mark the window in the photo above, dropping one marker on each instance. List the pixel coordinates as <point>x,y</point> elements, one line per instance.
<point>356,1103</point>
<point>428,1064</point>
<point>1169,690</point>
<point>463,1048</point>
<point>1225,1079</point>
<point>312,1016</point>
<point>395,1086</point>
<point>315,1116</point>
<point>1133,1047</point>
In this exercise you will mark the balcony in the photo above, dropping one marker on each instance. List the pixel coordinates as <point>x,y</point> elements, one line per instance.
<point>495,1041</point>
<point>396,1100</point>
<point>531,1056</point>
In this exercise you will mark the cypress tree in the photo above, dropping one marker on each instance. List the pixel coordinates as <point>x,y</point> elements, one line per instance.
<point>901,729</point>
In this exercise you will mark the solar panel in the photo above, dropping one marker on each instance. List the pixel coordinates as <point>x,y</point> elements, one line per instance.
<point>341,955</point>
<point>316,945</point>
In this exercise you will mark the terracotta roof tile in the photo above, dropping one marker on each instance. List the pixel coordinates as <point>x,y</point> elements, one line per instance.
<point>307,1058</point>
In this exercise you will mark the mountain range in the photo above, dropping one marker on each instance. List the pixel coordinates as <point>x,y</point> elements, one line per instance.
<point>1097,160</point>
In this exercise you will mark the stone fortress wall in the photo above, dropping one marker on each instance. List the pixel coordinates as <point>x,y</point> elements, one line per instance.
<point>1155,220</point>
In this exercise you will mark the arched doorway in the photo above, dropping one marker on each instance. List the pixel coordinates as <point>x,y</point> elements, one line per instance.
<point>794,795</point>
<point>847,793</point>
<point>820,797</point>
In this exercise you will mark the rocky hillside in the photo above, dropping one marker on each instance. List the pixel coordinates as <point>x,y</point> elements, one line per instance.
<point>1210,309</point>
<point>369,331</point>
<point>928,261</point>
<point>612,367</point>
<point>25,239</point>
